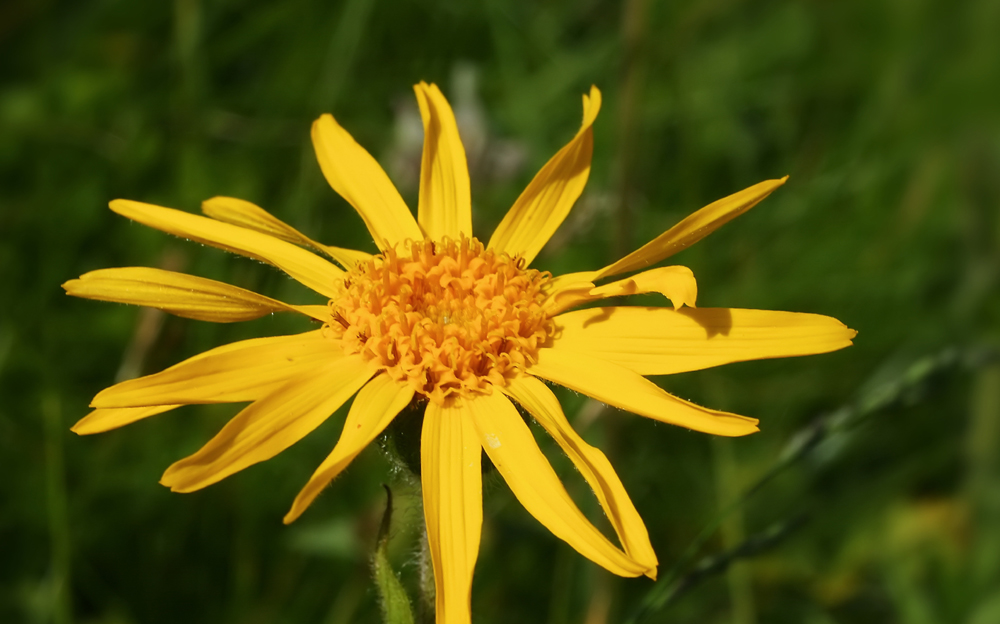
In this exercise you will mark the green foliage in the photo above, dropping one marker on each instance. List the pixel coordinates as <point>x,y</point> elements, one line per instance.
<point>391,593</point>
<point>884,114</point>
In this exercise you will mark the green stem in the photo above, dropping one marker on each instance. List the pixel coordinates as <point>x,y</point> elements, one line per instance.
<point>55,486</point>
<point>428,591</point>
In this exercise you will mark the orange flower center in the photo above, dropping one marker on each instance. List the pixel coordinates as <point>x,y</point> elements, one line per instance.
<point>448,317</point>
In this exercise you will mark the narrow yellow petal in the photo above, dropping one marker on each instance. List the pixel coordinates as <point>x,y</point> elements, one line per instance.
<point>268,426</point>
<point>445,207</point>
<point>535,397</point>
<point>251,216</point>
<point>248,215</point>
<point>563,291</point>
<point>620,387</point>
<point>509,443</point>
<point>570,281</point>
<point>348,258</point>
<point>101,420</point>
<point>660,341</point>
<point>451,478</point>
<point>694,228</point>
<point>306,267</point>
<point>177,293</point>
<point>242,371</point>
<point>373,409</point>
<point>319,312</point>
<point>547,200</point>
<point>360,180</point>
<point>676,283</point>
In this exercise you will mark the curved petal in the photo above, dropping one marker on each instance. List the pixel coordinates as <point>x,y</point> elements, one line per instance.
<point>451,478</point>
<point>535,397</point>
<point>569,281</point>
<point>268,426</point>
<point>372,411</point>
<point>616,385</point>
<point>445,207</point>
<point>676,283</point>
<point>549,197</point>
<point>509,443</point>
<point>693,228</point>
<point>242,371</point>
<point>360,180</point>
<point>660,341</point>
<point>180,294</point>
<point>251,216</point>
<point>101,420</point>
<point>567,286</point>
<point>306,267</point>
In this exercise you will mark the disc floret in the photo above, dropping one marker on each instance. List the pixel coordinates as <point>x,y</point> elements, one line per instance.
<point>448,317</point>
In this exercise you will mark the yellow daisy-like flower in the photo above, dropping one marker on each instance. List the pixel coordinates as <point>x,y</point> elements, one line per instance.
<point>439,318</point>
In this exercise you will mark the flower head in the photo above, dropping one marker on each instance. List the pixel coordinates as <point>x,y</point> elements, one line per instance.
<point>464,328</point>
<point>449,318</point>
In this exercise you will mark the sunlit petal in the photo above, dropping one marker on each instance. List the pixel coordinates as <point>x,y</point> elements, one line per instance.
<point>246,214</point>
<point>514,452</point>
<point>360,180</point>
<point>373,409</point>
<point>241,371</point>
<point>451,479</point>
<point>101,420</point>
<point>543,205</point>
<point>306,267</point>
<point>660,341</point>
<point>249,215</point>
<point>621,387</point>
<point>268,426</point>
<point>693,228</point>
<point>534,396</point>
<point>445,202</point>
<point>676,283</point>
<point>180,294</point>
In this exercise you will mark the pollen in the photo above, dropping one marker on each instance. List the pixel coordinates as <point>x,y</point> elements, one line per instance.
<point>447,317</point>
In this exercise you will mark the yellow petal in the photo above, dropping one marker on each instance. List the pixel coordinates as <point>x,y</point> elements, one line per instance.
<point>242,371</point>
<point>676,283</point>
<point>562,291</point>
<point>101,420</point>
<point>694,228</point>
<point>245,214</point>
<point>549,197</point>
<point>373,409</point>
<point>570,281</point>
<point>268,426</point>
<point>659,341</point>
<point>348,258</point>
<point>319,312</point>
<point>535,397</point>
<point>306,267</point>
<point>445,207</point>
<point>180,294</point>
<point>509,443</point>
<point>359,179</point>
<point>451,478</point>
<point>251,216</point>
<point>616,385</point>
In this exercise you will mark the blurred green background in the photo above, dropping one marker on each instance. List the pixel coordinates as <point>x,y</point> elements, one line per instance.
<point>885,113</point>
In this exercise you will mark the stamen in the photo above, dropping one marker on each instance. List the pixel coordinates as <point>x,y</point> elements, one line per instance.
<point>448,317</point>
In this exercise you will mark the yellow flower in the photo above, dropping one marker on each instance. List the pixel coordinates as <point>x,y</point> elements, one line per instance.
<point>439,318</point>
